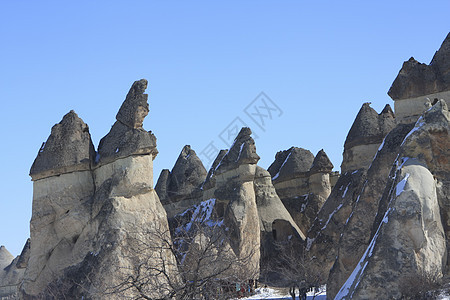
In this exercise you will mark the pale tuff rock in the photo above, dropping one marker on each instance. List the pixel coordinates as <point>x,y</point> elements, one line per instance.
<point>11,272</point>
<point>302,181</point>
<point>365,136</point>
<point>68,149</point>
<point>409,240</point>
<point>408,237</point>
<point>418,84</point>
<point>5,257</point>
<point>236,200</point>
<point>61,204</point>
<point>275,221</point>
<point>356,233</point>
<point>84,223</point>
<point>362,143</point>
<point>325,231</point>
<point>179,189</point>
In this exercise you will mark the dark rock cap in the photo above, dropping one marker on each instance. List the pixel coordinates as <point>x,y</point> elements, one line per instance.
<point>161,185</point>
<point>135,107</point>
<point>291,163</point>
<point>22,262</point>
<point>69,148</point>
<point>243,151</point>
<point>370,127</point>
<point>417,79</point>
<point>210,180</point>
<point>187,175</point>
<point>321,163</point>
<point>127,137</point>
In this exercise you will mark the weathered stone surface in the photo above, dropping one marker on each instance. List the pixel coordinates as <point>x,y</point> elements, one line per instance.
<point>61,210</point>
<point>325,231</point>
<point>291,163</point>
<point>5,257</point>
<point>321,163</point>
<point>161,185</point>
<point>408,237</point>
<point>356,233</point>
<point>418,85</point>
<point>272,213</point>
<point>302,182</point>
<point>123,141</point>
<point>10,274</point>
<point>68,149</point>
<point>135,107</point>
<point>243,151</point>
<point>210,180</point>
<point>86,224</point>
<point>365,136</point>
<point>22,262</point>
<point>127,137</point>
<point>418,79</point>
<point>180,188</point>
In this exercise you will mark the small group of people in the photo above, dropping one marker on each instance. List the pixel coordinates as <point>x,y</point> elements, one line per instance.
<point>246,289</point>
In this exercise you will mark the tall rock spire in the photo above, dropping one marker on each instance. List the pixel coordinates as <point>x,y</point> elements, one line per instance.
<point>127,137</point>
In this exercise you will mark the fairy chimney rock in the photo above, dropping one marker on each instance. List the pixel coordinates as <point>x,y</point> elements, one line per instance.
<point>418,84</point>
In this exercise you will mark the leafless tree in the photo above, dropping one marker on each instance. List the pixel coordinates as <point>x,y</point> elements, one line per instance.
<point>420,286</point>
<point>297,269</point>
<point>205,266</point>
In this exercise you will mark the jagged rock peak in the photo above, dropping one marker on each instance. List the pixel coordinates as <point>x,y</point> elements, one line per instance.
<point>69,148</point>
<point>370,127</point>
<point>135,107</point>
<point>417,79</point>
<point>22,262</point>
<point>5,257</point>
<point>321,163</point>
<point>127,137</point>
<point>243,151</point>
<point>291,163</point>
<point>187,174</point>
<point>387,111</point>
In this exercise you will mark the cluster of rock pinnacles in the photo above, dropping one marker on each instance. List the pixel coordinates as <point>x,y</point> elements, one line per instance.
<point>385,217</point>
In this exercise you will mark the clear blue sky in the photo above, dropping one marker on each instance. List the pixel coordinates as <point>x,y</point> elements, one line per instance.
<point>205,62</point>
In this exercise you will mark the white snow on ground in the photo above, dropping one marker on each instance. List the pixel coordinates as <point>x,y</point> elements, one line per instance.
<point>269,293</point>
<point>278,174</point>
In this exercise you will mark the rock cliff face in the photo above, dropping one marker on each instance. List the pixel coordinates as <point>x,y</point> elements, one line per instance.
<point>355,236</point>
<point>88,209</point>
<point>418,83</point>
<point>408,237</point>
<point>302,181</point>
<point>365,136</point>
<point>361,145</point>
<point>12,271</point>
<point>180,188</point>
